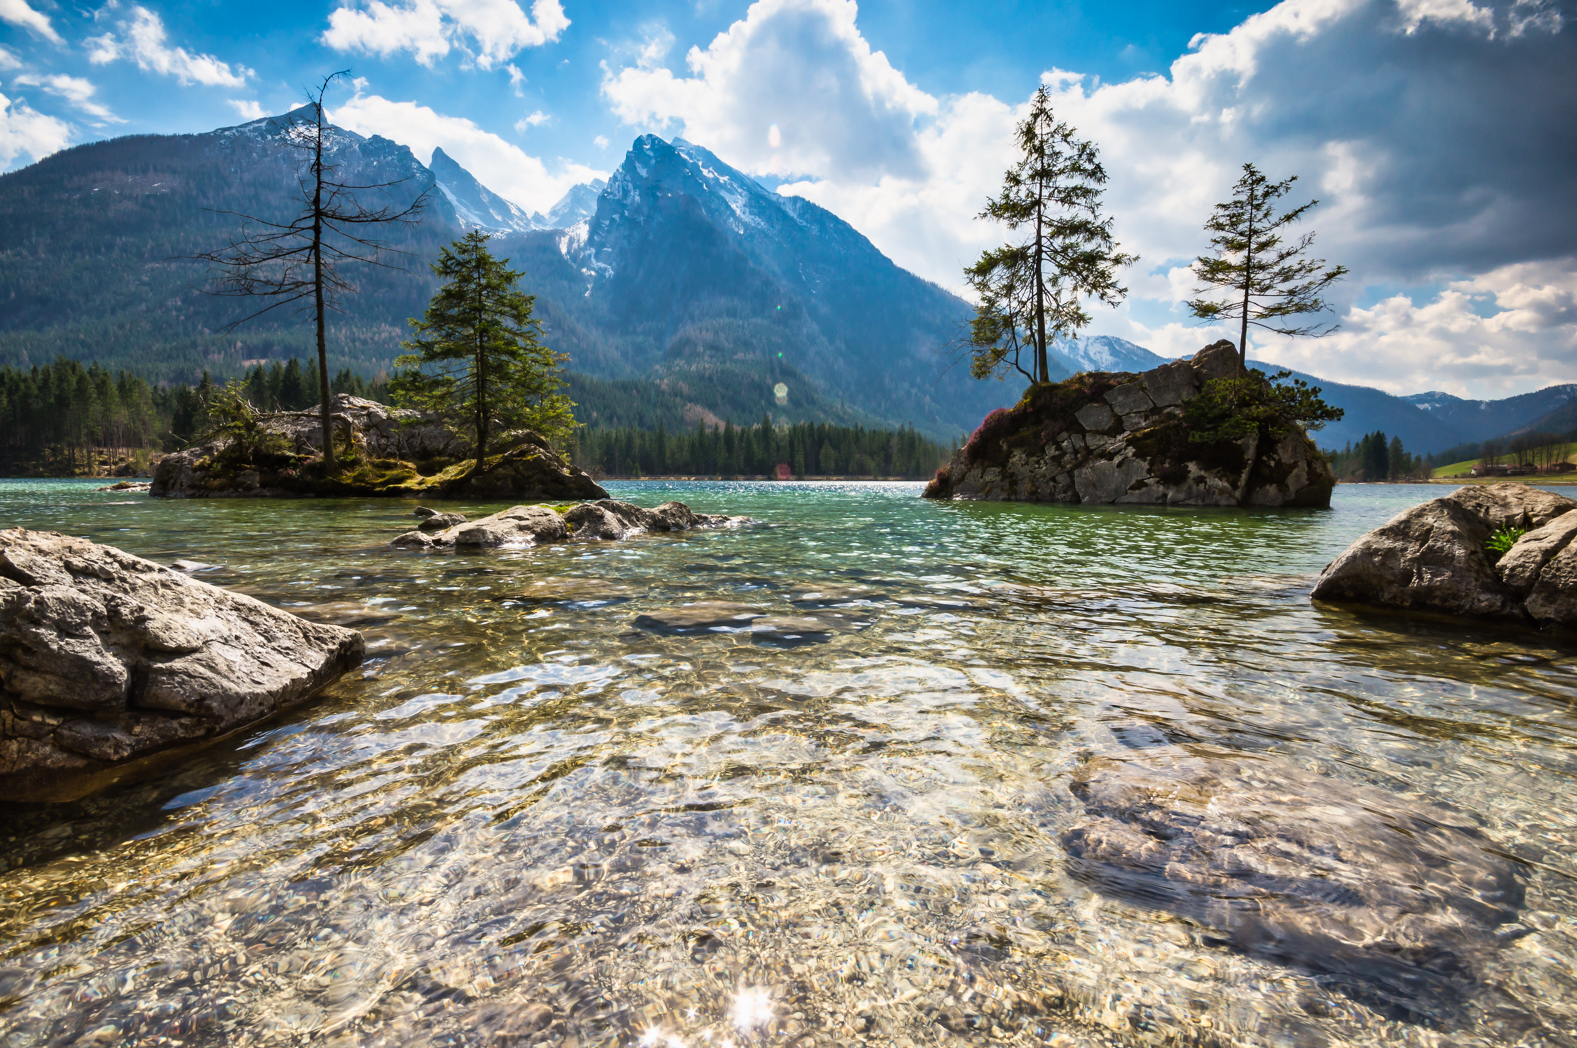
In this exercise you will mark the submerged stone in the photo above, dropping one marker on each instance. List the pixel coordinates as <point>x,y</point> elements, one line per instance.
<point>1400,899</point>
<point>700,615</point>
<point>106,658</point>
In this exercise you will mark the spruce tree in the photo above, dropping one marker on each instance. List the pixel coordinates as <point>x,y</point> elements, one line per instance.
<point>1035,289</point>
<point>1254,277</point>
<point>477,358</point>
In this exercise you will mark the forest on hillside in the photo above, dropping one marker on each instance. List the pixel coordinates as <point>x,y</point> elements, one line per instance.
<point>67,419</point>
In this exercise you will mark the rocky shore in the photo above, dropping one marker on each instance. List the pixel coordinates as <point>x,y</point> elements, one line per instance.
<point>106,658</point>
<point>387,452</point>
<point>1117,437</point>
<point>1436,558</point>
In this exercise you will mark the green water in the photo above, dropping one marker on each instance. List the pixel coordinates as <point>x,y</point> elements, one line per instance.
<point>536,823</point>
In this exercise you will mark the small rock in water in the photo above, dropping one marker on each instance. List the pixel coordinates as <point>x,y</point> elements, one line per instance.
<point>193,566</point>
<point>424,511</point>
<point>440,521</point>
<point>1398,900</point>
<point>700,615</point>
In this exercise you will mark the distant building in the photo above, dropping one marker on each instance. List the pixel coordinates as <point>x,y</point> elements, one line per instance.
<point>1501,470</point>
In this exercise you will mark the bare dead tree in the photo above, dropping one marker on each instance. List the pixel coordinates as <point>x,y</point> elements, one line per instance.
<point>299,261</point>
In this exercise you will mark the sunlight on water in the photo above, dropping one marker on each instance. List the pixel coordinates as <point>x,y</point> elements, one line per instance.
<point>531,819</point>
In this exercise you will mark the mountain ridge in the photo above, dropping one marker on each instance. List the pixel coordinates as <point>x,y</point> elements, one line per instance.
<point>679,272</point>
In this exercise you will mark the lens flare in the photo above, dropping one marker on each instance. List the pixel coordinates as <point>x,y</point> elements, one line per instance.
<point>752,1008</point>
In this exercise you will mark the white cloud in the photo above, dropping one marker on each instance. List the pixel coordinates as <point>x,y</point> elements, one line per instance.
<point>247,108</point>
<point>17,12</point>
<point>601,141</point>
<point>504,168</point>
<point>142,39</point>
<point>486,31</point>
<point>74,89</point>
<point>1435,133</point>
<point>8,58</point>
<point>842,109</point>
<point>535,119</point>
<point>25,131</point>
<point>517,80</point>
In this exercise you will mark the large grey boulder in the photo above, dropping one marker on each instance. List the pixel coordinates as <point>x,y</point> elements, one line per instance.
<point>1434,558</point>
<point>1106,437</point>
<point>606,519</point>
<point>106,658</point>
<point>1297,867</point>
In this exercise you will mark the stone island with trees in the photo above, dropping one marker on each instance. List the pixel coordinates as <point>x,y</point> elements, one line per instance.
<point>1207,431</point>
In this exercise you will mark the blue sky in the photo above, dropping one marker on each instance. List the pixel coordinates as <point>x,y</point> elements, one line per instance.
<point>1440,135</point>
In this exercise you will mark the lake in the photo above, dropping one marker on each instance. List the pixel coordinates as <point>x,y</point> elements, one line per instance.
<point>529,819</point>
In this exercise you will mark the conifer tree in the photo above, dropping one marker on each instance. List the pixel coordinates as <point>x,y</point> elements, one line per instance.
<point>477,358</point>
<point>1255,277</point>
<point>1035,289</point>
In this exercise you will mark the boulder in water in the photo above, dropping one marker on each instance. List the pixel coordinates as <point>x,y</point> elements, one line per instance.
<point>1112,437</point>
<point>1434,558</point>
<point>106,658</point>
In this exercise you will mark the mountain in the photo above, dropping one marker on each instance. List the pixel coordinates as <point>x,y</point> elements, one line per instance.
<point>476,206</point>
<point>693,275</point>
<point>577,205</point>
<point>1101,353</point>
<point>1477,420</point>
<point>683,289</point>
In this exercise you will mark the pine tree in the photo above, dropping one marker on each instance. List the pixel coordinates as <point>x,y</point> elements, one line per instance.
<point>477,358</point>
<point>1258,278</point>
<point>1035,289</point>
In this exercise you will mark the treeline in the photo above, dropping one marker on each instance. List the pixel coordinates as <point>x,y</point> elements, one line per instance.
<point>1522,449</point>
<point>1378,458</point>
<point>805,449</point>
<point>64,418</point>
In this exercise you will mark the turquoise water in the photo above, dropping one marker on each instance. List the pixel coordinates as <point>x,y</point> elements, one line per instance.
<point>535,822</point>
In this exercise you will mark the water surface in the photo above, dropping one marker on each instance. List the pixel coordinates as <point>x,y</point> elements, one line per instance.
<point>529,822</point>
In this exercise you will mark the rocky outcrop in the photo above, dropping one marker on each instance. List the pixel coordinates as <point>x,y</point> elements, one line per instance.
<point>106,658</point>
<point>1434,558</point>
<point>386,451</point>
<point>535,525</point>
<point>1297,867</point>
<point>1112,437</point>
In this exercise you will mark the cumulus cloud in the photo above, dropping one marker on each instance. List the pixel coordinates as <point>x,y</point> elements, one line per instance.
<point>504,168</point>
<point>247,108</point>
<point>535,119</point>
<point>75,90</point>
<point>1435,132</point>
<point>142,40</point>
<point>800,65</point>
<point>26,132</point>
<point>488,32</point>
<point>17,12</point>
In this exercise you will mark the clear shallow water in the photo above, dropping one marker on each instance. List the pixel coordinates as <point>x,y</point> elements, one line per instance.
<point>529,822</point>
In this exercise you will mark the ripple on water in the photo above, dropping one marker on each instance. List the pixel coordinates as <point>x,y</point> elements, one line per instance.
<point>535,820</point>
